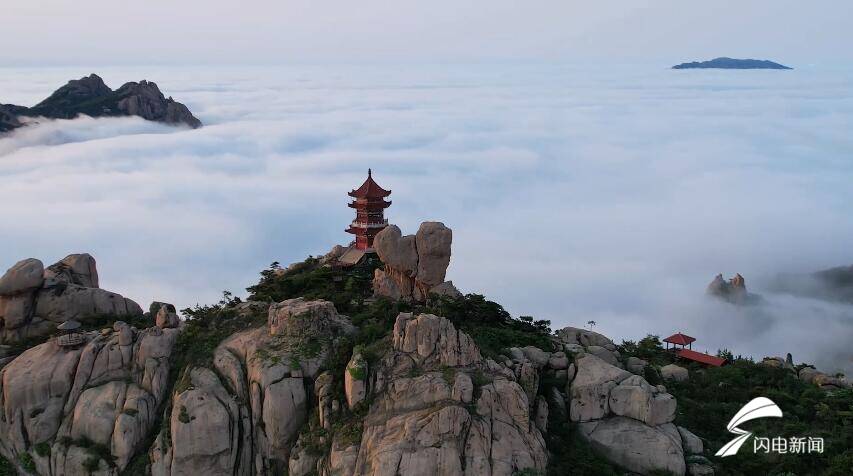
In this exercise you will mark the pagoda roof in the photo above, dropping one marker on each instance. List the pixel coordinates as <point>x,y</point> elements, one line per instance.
<point>700,357</point>
<point>679,339</point>
<point>369,189</point>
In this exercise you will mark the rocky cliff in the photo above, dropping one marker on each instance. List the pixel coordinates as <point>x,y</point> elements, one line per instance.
<point>316,375</point>
<point>91,96</point>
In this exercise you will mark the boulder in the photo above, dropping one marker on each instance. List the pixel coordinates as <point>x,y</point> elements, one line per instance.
<point>641,448</point>
<point>636,365</point>
<point>79,269</point>
<point>415,265</point>
<point>635,398</point>
<point>604,354</point>
<point>674,372</point>
<point>397,251</point>
<point>691,443</point>
<point>71,301</point>
<point>166,319</point>
<point>558,361</point>
<point>155,306</point>
<point>537,356</point>
<point>433,245</point>
<point>590,389</point>
<point>26,275</point>
<point>583,337</point>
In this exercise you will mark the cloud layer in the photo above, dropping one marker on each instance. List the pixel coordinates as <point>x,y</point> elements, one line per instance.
<point>608,194</point>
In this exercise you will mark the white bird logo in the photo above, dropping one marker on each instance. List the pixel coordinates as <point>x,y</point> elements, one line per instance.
<point>760,407</point>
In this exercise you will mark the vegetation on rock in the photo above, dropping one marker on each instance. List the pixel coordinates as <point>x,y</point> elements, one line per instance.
<point>712,396</point>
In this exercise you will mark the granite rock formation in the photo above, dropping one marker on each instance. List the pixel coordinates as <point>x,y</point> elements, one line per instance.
<point>415,265</point>
<point>733,290</point>
<point>60,405</point>
<point>91,96</point>
<point>35,299</point>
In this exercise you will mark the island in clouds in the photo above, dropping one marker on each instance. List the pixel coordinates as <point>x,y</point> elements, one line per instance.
<point>92,97</point>
<point>731,63</point>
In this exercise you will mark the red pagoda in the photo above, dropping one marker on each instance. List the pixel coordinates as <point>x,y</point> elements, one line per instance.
<point>369,207</point>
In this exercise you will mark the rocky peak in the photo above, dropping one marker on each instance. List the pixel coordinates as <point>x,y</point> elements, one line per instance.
<point>61,102</point>
<point>91,96</point>
<point>733,290</point>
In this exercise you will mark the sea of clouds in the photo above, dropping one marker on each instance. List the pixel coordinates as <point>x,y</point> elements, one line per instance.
<point>575,193</point>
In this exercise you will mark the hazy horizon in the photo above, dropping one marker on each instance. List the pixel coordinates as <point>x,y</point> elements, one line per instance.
<point>612,194</point>
<point>281,32</point>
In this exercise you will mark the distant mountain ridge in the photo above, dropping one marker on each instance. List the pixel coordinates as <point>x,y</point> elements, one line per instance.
<point>731,63</point>
<point>91,96</point>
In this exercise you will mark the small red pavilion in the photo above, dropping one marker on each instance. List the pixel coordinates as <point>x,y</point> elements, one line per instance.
<point>682,345</point>
<point>679,339</point>
<point>369,203</point>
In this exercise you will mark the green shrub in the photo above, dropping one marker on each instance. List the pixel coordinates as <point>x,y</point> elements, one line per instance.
<point>42,449</point>
<point>712,395</point>
<point>7,468</point>
<point>26,461</point>
<point>183,416</point>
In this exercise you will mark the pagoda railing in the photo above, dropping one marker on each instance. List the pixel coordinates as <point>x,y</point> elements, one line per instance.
<point>361,224</point>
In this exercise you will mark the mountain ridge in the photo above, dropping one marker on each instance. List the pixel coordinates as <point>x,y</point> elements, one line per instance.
<point>90,96</point>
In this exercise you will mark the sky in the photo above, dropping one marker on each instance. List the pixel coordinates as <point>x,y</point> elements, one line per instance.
<point>50,32</point>
<point>575,193</point>
<point>583,179</point>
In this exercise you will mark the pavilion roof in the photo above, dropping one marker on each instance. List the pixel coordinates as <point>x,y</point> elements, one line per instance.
<point>679,339</point>
<point>69,325</point>
<point>700,357</point>
<point>369,189</point>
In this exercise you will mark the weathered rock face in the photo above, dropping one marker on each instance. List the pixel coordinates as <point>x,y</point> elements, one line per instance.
<point>298,317</point>
<point>145,100</point>
<point>259,392</point>
<point>415,265</point>
<point>439,422</point>
<point>79,269</point>
<point>625,418</point>
<point>354,380</point>
<point>106,391</point>
<point>33,300</point>
<point>631,444</point>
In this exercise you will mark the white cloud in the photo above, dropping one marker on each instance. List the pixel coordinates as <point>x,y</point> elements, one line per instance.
<point>605,194</point>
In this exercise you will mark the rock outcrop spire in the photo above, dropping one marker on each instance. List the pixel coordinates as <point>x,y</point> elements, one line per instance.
<point>415,265</point>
